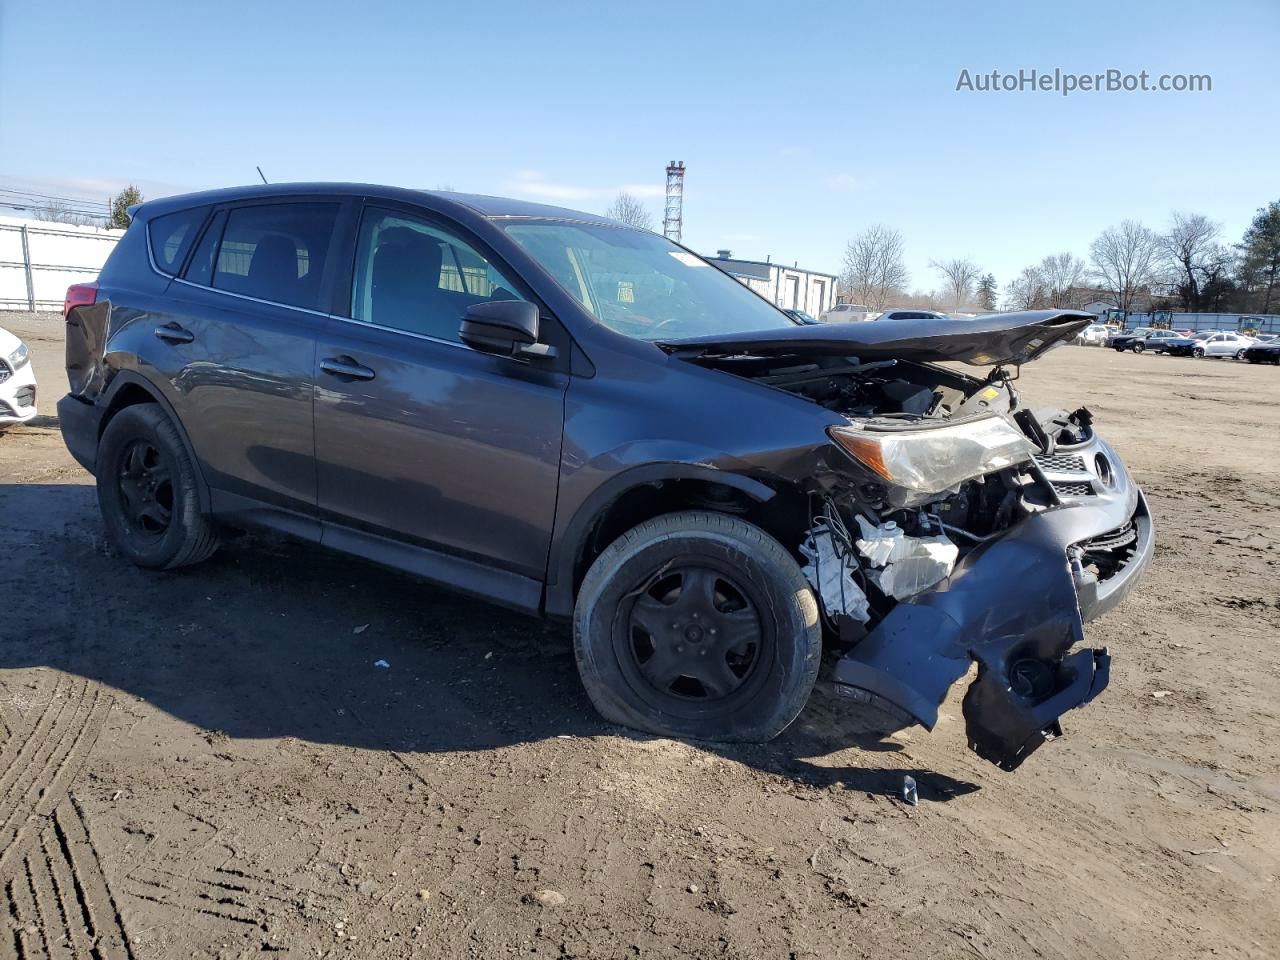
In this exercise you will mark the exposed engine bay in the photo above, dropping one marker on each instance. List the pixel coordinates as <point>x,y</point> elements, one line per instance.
<point>944,530</point>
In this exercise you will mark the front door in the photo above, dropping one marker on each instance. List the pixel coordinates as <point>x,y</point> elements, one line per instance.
<point>421,440</point>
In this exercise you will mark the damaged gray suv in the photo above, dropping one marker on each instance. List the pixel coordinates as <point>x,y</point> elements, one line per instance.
<point>580,420</point>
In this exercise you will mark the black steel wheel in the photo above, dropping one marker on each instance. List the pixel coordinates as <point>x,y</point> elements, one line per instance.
<point>692,633</point>
<point>145,486</point>
<point>699,625</point>
<point>148,492</point>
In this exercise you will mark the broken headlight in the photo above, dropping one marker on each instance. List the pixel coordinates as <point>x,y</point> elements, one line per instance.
<point>19,356</point>
<point>928,460</point>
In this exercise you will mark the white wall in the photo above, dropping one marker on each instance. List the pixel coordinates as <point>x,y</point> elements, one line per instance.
<point>59,255</point>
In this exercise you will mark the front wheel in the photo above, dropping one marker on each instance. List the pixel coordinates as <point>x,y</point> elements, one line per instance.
<point>698,625</point>
<point>147,491</point>
<point>1239,354</point>
<point>1198,352</point>
<point>1139,347</point>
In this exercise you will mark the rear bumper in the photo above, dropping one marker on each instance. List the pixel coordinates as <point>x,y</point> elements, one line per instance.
<point>79,423</point>
<point>1016,606</point>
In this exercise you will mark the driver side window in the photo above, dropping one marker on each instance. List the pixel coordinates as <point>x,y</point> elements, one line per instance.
<point>414,276</point>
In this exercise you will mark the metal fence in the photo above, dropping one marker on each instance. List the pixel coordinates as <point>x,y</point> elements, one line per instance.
<point>39,260</point>
<point>1261,322</point>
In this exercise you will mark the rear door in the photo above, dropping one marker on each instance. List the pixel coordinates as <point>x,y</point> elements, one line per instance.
<point>251,301</point>
<point>420,439</point>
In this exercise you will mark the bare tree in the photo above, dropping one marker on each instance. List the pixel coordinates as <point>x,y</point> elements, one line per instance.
<point>1191,251</point>
<point>960,276</point>
<point>1125,260</point>
<point>873,269</point>
<point>55,211</point>
<point>1026,291</point>
<point>1062,274</point>
<point>629,210</point>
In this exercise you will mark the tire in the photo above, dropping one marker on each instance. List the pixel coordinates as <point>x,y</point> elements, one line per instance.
<point>1120,348</point>
<point>148,493</point>
<point>1198,352</point>
<point>651,679</point>
<point>1139,347</point>
<point>1239,354</point>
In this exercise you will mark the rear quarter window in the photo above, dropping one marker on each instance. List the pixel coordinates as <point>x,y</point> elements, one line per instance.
<point>171,237</point>
<point>275,252</point>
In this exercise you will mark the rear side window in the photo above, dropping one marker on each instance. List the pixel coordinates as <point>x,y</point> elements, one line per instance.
<point>172,236</point>
<point>276,252</point>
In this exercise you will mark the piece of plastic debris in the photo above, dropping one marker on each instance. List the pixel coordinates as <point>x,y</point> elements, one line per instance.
<point>909,794</point>
<point>382,663</point>
<point>830,571</point>
<point>911,564</point>
<point>361,629</point>
<point>1160,694</point>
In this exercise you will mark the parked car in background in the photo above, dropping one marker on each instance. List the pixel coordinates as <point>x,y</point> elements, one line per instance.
<point>1126,339</point>
<point>1155,341</point>
<point>17,381</point>
<point>842,312</point>
<point>1094,335</point>
<point>1263,352</point>
<point>580,420</point>
<point>1225,345</point>
<point>1187,346</point>
<point>799,316</point>
<point>909,314</point>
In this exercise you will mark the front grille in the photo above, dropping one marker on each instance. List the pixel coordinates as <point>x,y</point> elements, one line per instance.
<point>26,397</point>
<point>1071,489</point>
<point>1060,463</point>
<point>5,372</point>
<point>1113,539</point>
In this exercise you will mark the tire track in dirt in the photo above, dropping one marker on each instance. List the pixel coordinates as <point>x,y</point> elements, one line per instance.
<point>52,889</point>
<point>57,901</point>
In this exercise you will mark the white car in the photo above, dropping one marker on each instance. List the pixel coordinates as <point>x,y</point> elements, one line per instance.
<point>1094,335</point>
<point>843,312</point>
<point>17,381</point>
<point>1224,345</point>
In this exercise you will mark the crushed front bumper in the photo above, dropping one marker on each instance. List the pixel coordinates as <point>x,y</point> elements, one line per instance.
<point>1015,605</point>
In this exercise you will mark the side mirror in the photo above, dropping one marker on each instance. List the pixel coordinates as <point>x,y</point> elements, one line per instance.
<point>507,328</point>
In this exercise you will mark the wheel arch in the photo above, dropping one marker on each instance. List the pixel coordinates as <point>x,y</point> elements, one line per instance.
<point>647,491</point>
<point>128,389</point>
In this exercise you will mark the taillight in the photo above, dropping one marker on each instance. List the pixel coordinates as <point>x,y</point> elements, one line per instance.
<point>79,295</point>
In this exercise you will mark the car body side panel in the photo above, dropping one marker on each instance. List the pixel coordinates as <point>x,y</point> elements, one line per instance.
<point>446,446</point>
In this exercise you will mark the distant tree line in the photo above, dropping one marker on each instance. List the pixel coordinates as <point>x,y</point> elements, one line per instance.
<point>1187,266</point>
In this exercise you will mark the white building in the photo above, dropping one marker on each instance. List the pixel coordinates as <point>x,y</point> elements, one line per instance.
<point>790,288</point>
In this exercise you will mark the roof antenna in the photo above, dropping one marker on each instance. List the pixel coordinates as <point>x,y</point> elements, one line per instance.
<point>260,173</point>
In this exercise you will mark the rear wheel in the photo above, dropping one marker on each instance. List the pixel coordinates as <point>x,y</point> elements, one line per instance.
<point>698,625</point>
<point>1139,347</point>
<point>147,491</point>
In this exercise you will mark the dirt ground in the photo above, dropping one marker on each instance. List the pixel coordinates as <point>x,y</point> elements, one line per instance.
<point>208,764</point>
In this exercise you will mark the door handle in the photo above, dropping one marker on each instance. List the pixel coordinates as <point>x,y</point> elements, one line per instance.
<point>173,333</point>
<point>346,368</point>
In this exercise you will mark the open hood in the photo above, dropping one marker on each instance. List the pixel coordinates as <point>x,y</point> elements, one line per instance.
<point>998,338</point>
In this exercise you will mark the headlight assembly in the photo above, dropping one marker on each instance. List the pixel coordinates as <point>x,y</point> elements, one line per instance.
<point>929,460</point>
<point>20,356</point>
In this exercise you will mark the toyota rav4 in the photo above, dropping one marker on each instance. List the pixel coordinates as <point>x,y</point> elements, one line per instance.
<point>582,420</point>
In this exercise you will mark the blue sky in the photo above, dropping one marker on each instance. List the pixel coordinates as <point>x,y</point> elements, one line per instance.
<point>800,123</point>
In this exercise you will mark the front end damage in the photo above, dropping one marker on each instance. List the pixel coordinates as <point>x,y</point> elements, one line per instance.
<point>955,526</point>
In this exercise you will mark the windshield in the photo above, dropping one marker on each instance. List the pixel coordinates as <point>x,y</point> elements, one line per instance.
<point>643,285</point>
